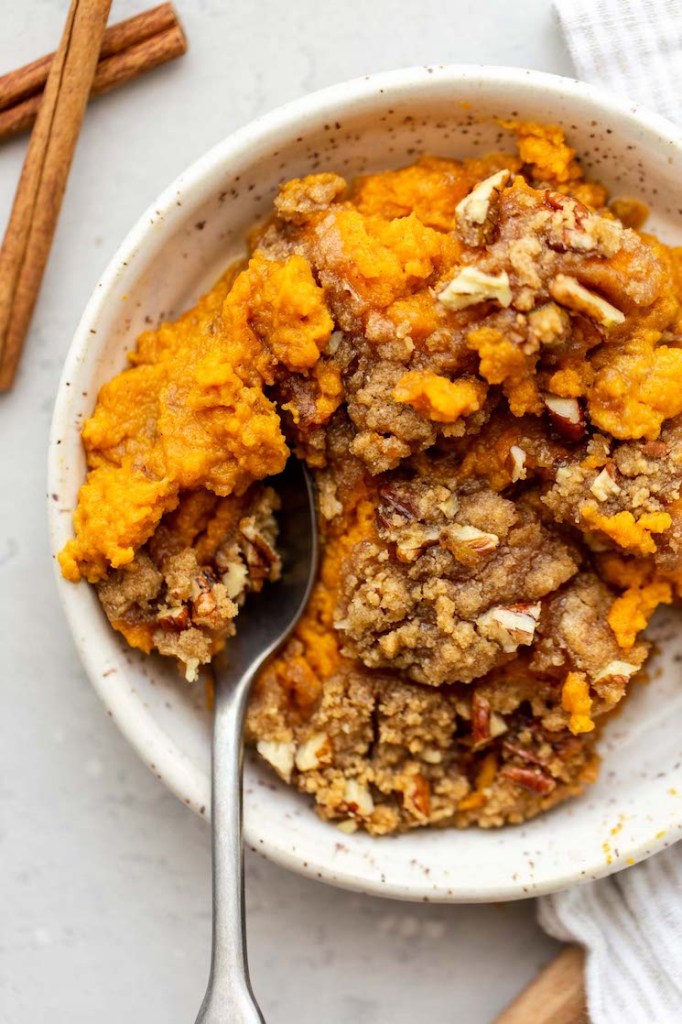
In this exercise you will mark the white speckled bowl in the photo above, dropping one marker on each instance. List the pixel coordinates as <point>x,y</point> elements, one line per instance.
<point>176,249</point>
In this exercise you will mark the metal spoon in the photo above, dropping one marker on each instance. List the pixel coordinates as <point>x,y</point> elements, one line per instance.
<point>265,622</point>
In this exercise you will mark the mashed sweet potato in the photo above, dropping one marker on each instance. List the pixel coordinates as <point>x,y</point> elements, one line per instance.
<point>480,361</point>
<point>191,412</point>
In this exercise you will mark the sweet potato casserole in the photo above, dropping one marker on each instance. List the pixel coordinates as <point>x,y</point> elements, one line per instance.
<point>481,363</point>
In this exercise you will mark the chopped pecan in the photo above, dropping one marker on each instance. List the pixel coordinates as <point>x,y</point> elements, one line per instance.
<point>235,578</point>
<point>480,720</point>
<point>471,286</point>
<point>498,725</point>
<point>417,798</point>
<point>315,751</point>
<point>174,619</point>
<point>204,605</point>
<point>202,583</point>
<point>511,626</point>
<point>357,798</point>
<point>467,543</point>
<point>348,826</point>
<point>566,231</point>
<point>192,670</point>
<point>604,486</point>
<point>529,778</point>
<point>560,201</point>
<point>474,213</point>
<point>568,291</point>
<point>655,449</point>
<point>415,539</point>
<point>449,507</point>
<point>332,346</point>
<point>572,227</point>
<point>279,754</point>
<point>396,505</point>
<point>567,416</point>
<point>517,458</point>
<point>522,752</point>
<point>261,557</point>
<point>616,670</point>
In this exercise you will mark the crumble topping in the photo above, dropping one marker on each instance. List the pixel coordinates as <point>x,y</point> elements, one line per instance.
<point>445,589</point>
<point>480,362</point>
<point>183,590</point>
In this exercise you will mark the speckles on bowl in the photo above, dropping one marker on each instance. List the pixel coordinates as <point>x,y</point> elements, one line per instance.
<point>358,128</point>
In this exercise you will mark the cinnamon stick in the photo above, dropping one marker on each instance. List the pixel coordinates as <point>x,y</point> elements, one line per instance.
<point>556,996</point>
<point>129,48</point>
<point>38,200</point>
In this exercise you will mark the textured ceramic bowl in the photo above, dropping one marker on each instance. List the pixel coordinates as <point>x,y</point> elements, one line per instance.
<point>179,247</point>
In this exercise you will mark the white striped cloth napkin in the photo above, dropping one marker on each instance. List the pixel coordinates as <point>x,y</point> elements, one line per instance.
<point>633,47</point>
<point>630,924</point>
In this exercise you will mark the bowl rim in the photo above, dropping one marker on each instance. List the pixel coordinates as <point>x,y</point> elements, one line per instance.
<point>146,736</point>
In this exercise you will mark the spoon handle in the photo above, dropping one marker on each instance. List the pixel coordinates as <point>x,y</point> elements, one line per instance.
<point>229,999</point>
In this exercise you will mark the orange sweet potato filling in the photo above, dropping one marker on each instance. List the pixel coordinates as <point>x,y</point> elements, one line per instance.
<point>575,698</point>
<point>191,411</point>
<point>628,532</point>
<point>440,399</point>
<point>631,611</point>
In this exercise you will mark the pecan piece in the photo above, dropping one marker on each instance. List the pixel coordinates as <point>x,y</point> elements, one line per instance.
<point>655,449</point>
<point>480,720</point>
<point>357,798</point>
<point>415,539</point>
<point>529,778</point>
<point>417,798</point>
<point>498,726</point>
<point>278,754</point>
<point>474,213</point>
<point>604,486</point>
<point>471,286</point>
<point>315,751</point>
<point>204,605</point>
<point>521,752</point>
<point>567,416</point>
<point>517,457</point>
<point>569,292</point>
<point>174,619</point>
<point>396,506</point>
<point>510,626</point>
<point>560,201</point>
<point>261,558</point>
<point>192,670</point>
<point>235,578</point>
<point>468,544</point>
<point>619,671</point>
